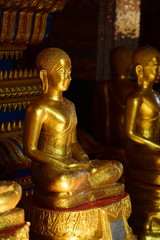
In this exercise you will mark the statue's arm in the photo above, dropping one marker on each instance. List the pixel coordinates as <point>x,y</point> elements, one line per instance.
<point>77,151</point>
<point>33,123</point>
<point>131,114</point>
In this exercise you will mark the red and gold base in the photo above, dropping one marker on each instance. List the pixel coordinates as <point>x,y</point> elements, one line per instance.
<point>16,233</point>
<point>146,209</point>
<point>13,225</point>
<point>102,219</point>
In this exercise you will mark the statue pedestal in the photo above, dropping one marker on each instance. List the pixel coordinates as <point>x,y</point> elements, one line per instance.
<point>102,219</point>
<point>13,225</point>
<point>146,209</point>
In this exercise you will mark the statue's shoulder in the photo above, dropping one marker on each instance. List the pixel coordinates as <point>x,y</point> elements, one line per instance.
<point>136,97</point>
<point>136,93</point>
<point>36,106</point>
<point>69,102</point>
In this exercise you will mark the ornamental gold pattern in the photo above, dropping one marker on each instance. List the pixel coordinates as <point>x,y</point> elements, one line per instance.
<point>24,27</point>
<point>43,27</point>
<point>39,27</point>
<point>17,216</point>
<point>26,24</point>
<point>12,51</point>
<point>21,232</point>
<point>11,126</point>
<point>79,224</point>
<point>18,74</point>
<point>46,5</point>
<point>18,159</point>
<point>17,95</point>
<point>36,27</point>
<point>8,25</point>
<point>92,194</point>
<point>20,91</point>
<point>17,89</point>
<point>146,215</point>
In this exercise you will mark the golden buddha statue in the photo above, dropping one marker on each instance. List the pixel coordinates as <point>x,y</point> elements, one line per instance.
<point>142,126</point>
<point>69,187</point>
<point>61,170</point>
<point>142,117</point>
<point>119,87</point>
<point>111,95</point>
<point>10,194</point>
<point>12,222</point>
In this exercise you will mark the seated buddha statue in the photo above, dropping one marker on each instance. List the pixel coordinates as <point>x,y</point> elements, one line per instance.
<point>10,194</point>
<point>111,95</point>
<point>61,171</point>
<point>119,87</point>
<point>142,117</point>
<point>12,218</point>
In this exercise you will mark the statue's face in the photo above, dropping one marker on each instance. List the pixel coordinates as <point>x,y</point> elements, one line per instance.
<point>60,76</point>
<point>152,70</point>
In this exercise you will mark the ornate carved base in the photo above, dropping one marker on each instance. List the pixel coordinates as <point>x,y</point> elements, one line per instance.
<point>89,195</point>
<point>102,219</point>
<point>13,225</point>
<point>146,209</point>
<point>16,233</point>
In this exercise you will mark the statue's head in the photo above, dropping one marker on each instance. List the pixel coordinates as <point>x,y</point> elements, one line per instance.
<point>48,58</point>
<point>145,62</point>
<point>54,66</point>
<point>120,62</point>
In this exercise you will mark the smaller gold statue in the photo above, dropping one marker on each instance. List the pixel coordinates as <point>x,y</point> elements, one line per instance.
<point>111,95</point>
<point>142,116</point>
<point>142,130</point>
<point>12,222</point>
<point>10,194</point>
<point>119,87</point>
<point>61,171</point>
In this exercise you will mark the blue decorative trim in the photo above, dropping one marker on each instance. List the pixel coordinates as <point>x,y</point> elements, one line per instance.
<point>32,27</point>
<point>48,25</point>
<point>12,115</point>
<point>22,173</point>
<point>6,64</point>
<point>18,146</point>
<point>16,24</point>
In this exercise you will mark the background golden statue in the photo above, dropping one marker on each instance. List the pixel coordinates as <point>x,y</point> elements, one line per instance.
<point>142,130</point>
<point>111,95</point>
<point>10,194</point>
<point>61,170</point>
<point>142,116</point>
<point>119,87</point>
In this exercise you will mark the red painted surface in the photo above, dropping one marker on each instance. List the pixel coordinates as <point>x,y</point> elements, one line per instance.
<point>10,230</point>
<point>97,203</point>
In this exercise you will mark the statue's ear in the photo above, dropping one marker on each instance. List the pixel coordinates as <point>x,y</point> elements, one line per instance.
<point>44,79</point>
<point>139,70</point>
